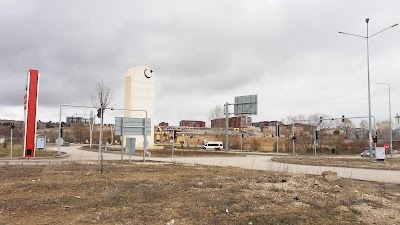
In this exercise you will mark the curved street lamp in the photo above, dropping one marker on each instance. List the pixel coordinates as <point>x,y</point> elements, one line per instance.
<point>390,121</point>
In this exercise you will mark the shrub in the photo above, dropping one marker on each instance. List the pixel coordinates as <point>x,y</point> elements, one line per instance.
<point>255,144</point>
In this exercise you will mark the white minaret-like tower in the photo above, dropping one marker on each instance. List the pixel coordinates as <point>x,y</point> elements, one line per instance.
<point>140,95</point>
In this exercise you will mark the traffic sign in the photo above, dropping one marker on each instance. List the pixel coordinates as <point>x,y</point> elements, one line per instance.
<point>132,126</point>
<point>386,147</point>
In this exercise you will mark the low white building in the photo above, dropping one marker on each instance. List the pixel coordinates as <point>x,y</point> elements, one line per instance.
<point>2,139</point>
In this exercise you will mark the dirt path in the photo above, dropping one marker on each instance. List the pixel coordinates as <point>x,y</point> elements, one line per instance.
<point>265,163</point>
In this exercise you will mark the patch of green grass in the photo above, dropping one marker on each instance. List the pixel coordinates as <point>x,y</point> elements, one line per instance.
<point>178,146</point>
<point>17,151</point>
<point>5,152</point>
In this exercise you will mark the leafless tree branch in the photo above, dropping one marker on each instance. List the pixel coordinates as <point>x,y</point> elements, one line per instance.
<point>102,95</point>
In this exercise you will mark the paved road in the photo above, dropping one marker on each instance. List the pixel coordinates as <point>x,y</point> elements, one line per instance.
<point>265,163</point>
<point>248,162</point>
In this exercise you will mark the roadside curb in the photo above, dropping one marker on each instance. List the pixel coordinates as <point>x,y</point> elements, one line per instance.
<point>34,162</point>
<point>338,166</point>
<point>62,155</point>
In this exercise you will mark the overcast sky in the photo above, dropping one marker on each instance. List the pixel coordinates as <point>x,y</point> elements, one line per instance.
<point>204,53</point>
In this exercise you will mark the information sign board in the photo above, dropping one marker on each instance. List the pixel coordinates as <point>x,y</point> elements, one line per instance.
<point>132,126</point>
<point>245,105</point>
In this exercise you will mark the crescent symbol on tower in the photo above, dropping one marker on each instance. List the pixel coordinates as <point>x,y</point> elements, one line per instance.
<point>147,76</point>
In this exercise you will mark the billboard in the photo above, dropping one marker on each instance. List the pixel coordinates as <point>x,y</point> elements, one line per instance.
<point>245,105</point>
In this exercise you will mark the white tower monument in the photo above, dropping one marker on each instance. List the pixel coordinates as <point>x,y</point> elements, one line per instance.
<point>140,95</point>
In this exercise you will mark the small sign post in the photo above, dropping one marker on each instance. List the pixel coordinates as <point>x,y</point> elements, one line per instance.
<point>380,154</point>
<point>386,147</point>
<point>133,127</point>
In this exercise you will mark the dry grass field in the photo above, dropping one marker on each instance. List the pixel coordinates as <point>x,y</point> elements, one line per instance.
<point>159,193</point>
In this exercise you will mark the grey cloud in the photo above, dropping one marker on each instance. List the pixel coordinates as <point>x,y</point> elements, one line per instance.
<point>203,49</point>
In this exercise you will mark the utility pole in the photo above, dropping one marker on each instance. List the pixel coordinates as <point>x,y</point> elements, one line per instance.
<point>173,141</point>
<point>122,139</point>
<point>145,143</point>
<point>315,142</point>
<point>293,139</point>
<point>227,126</point>
<point>12,127</point>
<point>277,138</point>
<point>112,128</point>
<point>368,73</point>
<point>241,142</point>
<point>390,122</point>
<point>91,126</point>
<point>101,131</point>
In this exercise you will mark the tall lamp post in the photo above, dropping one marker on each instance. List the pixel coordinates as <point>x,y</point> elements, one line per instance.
<point>369,91</point>
<point>390,121</point>
<point>59,129</point>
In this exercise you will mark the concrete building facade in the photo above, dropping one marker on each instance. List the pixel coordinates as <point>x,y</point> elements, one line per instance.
<point>140,95</point>
<point>76,119</point>
<point>233,122</point>
<point>163,124</point>
<point>192,123</point>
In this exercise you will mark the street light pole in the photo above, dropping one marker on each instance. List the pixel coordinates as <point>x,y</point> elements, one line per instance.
<point>112,133</point>
<point>59,132</point>
<point>390,121</point>
<point>369,91</point>
<point>227,127</point>
<point>293,139</point>
<point>11,145</point>
<point>91,126</point>
<point>369,98</point>
<point>101,133</point>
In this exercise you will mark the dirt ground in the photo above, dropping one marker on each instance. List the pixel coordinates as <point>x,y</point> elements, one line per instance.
<point>365,162</point>
<point>187,194</point>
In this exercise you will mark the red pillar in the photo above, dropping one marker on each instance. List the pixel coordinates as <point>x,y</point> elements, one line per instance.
<point>30,107</point>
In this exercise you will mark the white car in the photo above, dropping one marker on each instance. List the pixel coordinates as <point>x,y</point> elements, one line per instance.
<point>215,145</point>
<point>365,153</point>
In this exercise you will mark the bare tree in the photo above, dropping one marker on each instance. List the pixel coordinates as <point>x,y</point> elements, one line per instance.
<point>305,126</point>
<point>384,130</point>
<point>364,125</point>
<point>217,113</point>
<point>339,135</point>
<point>293,119</point>
<point>365,129</point>
<point>80,132</point>
<point>101,99</point>
<point>303,130</point>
